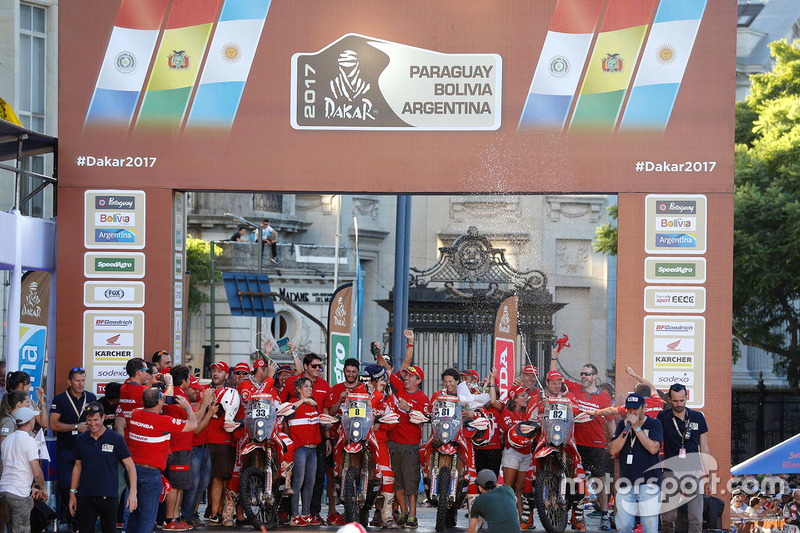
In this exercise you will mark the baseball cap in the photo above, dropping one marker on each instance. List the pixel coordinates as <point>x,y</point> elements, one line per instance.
<point>634,401</point>
<point>486,476</point>
<point>470,372</point>
<point>530,369</point>
<point>24,415</point>
<point>259,363</point>
<point>554,374</point>
<point>242,367</point>
<point>417,371</point>
<point>513,392</point>
<point>195,383</point>
<point>221,365</point>
<point>285,368</point>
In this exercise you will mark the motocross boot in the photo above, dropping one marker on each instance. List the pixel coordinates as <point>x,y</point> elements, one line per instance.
<point>526,520</point>
<point>229,509</point>
<point>387,517</point>
<point>577,521</point>
<point>426,483</point>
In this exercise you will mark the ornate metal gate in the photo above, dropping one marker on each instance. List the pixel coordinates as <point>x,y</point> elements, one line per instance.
<point>452,307</point>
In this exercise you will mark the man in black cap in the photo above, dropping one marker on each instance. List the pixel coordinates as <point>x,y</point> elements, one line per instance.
<point>636,442</point>
<point>497,506</point>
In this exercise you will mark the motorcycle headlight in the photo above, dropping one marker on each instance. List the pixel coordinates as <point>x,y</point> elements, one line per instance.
<point>557,427</point>
<point>355,433</point>
<point>445,435</point>
<point>446,425</point>
<point>557,438</point>
<point>260,433</point>
<point>260,423</point>
<point>356,424</point>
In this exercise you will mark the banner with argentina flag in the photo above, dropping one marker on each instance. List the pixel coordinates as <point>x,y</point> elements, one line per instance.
<point>126,62</point>
<point>666,54</point>
<point>177,64</point>
<point>227,67</point>
<point>560,64</point>
<point>612,62</point>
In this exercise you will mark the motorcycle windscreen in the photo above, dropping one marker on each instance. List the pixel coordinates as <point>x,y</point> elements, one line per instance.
<point>446,420</point>
<point>557,423</point>
<point>357,419</point>
<point>260,419</point>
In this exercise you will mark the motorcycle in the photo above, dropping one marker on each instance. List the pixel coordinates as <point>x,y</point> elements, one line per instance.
<point>448,467</point>
<point>360,479</point>
<point>552,497</point>
<point>262,486</point>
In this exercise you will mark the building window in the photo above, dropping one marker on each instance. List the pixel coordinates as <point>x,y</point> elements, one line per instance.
<point>32,60</point>
<point>34,207</point>
<point>272,203</point>
<point>283,325</point>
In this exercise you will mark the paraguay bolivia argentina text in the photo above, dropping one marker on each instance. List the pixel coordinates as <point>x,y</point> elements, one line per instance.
<point>453,81</point>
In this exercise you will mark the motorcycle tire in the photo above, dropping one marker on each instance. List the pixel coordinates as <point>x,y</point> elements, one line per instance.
<point>552,512</point>
<point>443,488</point>
<point>350,494</point>
<point>255,506</point>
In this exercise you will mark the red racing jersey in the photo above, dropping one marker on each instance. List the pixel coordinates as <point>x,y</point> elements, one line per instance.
<point>149,437</point>
<point>591,433</point>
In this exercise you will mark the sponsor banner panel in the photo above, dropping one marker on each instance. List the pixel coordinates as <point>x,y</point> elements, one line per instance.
<point>675,270</point>
<point>178,265</point>
<point>177,336</point>
<point>676,224</point>
<point>674,353</point>
<point>114,219</point>
<point>674,299</point>
<point>110,339</point>
<point>113,294</point>
<point>113,265</point>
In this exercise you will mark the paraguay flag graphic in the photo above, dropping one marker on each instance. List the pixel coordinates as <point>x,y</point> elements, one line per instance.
<point>126,62</point>
<point>227,67</point>
<point>177,64</point>
<point>560,64</point>
<point>611,65</point>
<point>663,64</point>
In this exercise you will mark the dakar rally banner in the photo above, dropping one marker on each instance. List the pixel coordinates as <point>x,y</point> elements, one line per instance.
<point>180,92</point>
<point>340,322</point>
<point>505,337</point>
<point>33,314</point>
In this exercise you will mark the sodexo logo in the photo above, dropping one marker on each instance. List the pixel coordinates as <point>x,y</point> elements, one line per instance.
<point>110,373</point>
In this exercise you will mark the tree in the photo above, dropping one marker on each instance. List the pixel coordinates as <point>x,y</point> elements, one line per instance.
<point>606,240</point>
<point>198,263</point>
<point>766,256</point>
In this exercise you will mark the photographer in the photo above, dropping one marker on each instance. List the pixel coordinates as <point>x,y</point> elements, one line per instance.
<point>496,505</point>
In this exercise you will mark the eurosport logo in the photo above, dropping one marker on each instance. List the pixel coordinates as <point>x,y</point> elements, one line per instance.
<point>124,220</point>
<point>684,207</point>
<point>668,379</point>
<point>675,240</point>
<point>676,223</point>
<point>668,345</point>
<point>674,328</point>
<point>124,323</point>
<point>115,202</point>
<point>114,235</point>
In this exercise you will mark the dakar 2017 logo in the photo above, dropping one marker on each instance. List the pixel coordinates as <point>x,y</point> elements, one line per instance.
<point>178,60</point>
<point>505,321</point>
<point>612,63</point>
<point>340,316</point>
<point>347,98</point>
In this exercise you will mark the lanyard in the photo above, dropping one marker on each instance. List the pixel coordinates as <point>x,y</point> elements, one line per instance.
<point>684,435</point>
<point>72,403</point>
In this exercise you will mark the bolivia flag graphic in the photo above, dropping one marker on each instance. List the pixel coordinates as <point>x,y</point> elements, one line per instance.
<point>660,73</point>
<point>177,63</point>
<point>560,64</point>
<point>612,62</point>
<point>126,62</point>
<point>230,57</point>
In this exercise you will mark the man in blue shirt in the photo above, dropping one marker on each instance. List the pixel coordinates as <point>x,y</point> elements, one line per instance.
<point>636,442</point>
<point>94,485</point>
<point>68,420</point>
<point>685,440</point>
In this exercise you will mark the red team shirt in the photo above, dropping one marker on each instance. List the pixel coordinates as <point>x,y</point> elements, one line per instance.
<point>509,420</point>
<point>216,434</point>
<point>130,398</point>
<point>591,433</point>
<point>652,406</point>
<point>149,437</point>
<point>496,440</point>
<point>304,426</point>
<point>181,441</point>
<point>406,432</point>
<point>321,392</point>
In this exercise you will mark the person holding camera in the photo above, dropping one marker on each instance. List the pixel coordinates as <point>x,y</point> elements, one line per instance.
<point>179,461</point>
<point>496,505</point>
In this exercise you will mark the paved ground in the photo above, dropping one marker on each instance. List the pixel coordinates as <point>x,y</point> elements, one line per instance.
<point>427,521</point>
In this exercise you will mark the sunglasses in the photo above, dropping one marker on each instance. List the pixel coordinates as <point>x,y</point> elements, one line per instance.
<point>145,370</point>
<point>587,374</point>
<point>241,373</point>
<point>318,366</point>
<point>677,387</point>
<point>77,369</point>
